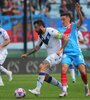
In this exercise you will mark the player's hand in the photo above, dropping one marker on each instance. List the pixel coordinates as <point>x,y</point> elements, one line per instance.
<point>59,52</point>
<point>24,56</point>
<point>77,6</point>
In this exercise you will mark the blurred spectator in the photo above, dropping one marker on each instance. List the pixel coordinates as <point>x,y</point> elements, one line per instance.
<point>15,10</point>
<point>63,7</point>
<point>46,10</point>
<point>6,10</point>
<point>88,3</point>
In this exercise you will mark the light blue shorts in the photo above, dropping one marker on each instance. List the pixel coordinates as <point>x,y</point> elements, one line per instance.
<point>73,59</point>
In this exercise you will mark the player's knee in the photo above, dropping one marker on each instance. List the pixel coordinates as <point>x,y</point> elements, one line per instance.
<point>48,78</point>
<point>64,70</point>
<point>41,67</point>
<point>82,69</point>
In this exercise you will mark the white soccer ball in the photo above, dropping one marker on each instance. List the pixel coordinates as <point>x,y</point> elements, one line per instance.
<point>20,93</point>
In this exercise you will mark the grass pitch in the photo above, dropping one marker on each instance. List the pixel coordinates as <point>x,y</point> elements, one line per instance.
<point>48,92</point>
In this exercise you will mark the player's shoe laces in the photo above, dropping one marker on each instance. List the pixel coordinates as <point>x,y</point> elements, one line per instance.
<point>9,75</point>
<point>35,91</point>
<point>63,94</point>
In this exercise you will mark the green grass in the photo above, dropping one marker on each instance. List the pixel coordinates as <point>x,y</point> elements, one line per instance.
<point>48,92</point>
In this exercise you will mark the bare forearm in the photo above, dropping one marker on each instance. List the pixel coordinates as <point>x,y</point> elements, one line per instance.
<point>81,18</point>
<point>35,49</point>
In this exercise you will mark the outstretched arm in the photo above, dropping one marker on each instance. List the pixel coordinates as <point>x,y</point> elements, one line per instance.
<point>81,18</point>
<point>35,49</point>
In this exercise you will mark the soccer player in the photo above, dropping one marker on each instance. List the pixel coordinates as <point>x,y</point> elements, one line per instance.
<point>4,41</point>
<point>72,52</point>
<point>72,69</point>
<point>51,38</point>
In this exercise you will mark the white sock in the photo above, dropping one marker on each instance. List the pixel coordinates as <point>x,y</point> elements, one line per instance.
<point>86,86</point>
<point>56,83</point>
<point>64,88</point>
<point>1,81</point>
<point>40,80</point>
<point>72,72</point>
<point>4,69</point>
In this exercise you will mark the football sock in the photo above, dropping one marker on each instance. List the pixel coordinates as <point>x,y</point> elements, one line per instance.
<point>55,82</point>
<point>1,78</point>
<point>40,80</point>
<point>86,87</point>
<point>64,81</point>
<point>72,72</point>
<point>3,69</point>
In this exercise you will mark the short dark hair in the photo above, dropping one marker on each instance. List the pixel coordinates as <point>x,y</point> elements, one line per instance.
<point>67,14</point>
<point>39,22</point>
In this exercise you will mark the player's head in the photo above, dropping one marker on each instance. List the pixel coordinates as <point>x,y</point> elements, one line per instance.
<point>66,18</point>
<point>38,26</point>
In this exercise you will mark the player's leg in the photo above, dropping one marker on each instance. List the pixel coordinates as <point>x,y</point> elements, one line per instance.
<point>52,61</point>
<point>41,76</point>
<point>66,61</point>
<point>51,80</point>
<point>84,77</point>
<point>64,79</point>
<point>7,72</point>
<point>72,72</point>
<point>2,69</point>
<point>1,81</point>
<point>81,66</point>
<point>43,68</point>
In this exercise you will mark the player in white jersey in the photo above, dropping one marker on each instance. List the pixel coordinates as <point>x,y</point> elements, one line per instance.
<point>51,38</point>
<point>4,41</point>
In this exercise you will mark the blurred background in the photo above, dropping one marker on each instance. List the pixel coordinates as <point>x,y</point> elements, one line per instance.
<point>17,17</point>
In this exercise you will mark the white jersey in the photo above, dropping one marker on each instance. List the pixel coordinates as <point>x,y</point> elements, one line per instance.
<point>3,37</point>
<point>51,39</point>
<point>80,36</point>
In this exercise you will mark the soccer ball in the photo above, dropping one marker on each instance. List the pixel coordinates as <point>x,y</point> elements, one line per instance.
<point>20,93</point>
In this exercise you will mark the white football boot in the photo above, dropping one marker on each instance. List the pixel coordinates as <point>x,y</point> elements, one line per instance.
<point>35,91</point>
<point>63,94</point>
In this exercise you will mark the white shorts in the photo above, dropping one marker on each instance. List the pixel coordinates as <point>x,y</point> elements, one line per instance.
<point>3,56</point>
<point>53,60</point>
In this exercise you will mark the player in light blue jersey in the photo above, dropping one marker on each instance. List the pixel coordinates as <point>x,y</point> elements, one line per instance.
<point>72,52</point>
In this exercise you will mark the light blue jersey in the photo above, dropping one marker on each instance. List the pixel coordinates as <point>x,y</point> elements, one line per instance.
<point>72,52</point>
<point>72,47</point>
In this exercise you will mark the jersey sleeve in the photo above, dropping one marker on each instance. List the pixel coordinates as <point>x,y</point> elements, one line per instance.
<point>55,33</point>
<point>5,35</point>
<point>39,42</point>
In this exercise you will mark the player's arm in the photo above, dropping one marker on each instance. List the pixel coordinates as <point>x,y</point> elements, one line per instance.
<point>64,43</point>
<point>65,39</point>
<point>35,49</point>
<point>7,41</point>
<point>81,18</point>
